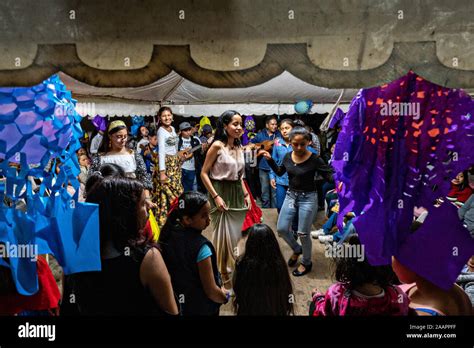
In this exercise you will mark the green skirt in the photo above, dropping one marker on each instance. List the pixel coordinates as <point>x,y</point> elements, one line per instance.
<point>227,225</point>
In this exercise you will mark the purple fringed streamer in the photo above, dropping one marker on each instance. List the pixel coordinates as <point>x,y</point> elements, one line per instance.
<point>337,118</point>
<point>388,161</point>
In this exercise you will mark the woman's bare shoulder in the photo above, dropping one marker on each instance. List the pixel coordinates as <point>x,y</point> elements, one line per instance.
<point>217,144</point>
<point>152,256</point>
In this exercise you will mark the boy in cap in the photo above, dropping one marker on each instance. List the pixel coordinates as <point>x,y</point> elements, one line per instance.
<point>191,161</point>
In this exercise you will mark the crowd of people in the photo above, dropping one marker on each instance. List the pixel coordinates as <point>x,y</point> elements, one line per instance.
<point>191,179</point>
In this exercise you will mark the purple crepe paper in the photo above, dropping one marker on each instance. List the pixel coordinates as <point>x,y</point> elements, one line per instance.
<point>100,123</point>
<point>337,118</point>
<point>441,231</point>
<point>389,164</point>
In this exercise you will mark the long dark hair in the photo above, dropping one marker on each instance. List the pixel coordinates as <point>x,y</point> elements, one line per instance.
<point>139,133</point>
<point>118,199</point>
<point>353,272</point>
<point>465,181</point>
<point>189,204</point>
<point>262,284</point>
<point>220,133</point>
<point>104,145</point>
<point>106,170</point>
<point>300,131</point>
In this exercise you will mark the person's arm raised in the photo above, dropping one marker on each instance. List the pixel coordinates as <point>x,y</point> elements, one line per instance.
<point>278,170</point>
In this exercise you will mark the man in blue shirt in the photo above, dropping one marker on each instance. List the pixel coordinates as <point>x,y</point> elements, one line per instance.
<point>269,133</point>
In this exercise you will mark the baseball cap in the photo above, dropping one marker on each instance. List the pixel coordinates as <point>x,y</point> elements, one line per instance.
<point>184,126</point>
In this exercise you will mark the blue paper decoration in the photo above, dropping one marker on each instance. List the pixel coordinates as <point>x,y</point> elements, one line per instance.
<point>137,122</point>
<point>38,125</point>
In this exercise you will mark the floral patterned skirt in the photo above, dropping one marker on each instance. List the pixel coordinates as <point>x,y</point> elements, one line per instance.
<point>164,194</point>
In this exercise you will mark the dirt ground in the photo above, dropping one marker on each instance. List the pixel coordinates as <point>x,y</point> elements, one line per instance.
<point>319,277</point>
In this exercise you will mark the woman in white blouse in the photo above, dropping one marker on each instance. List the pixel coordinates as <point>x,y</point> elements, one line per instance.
<point>113,149</point>
<point>167,180</point>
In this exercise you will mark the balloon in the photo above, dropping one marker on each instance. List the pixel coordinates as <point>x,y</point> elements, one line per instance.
<point>303,107</point>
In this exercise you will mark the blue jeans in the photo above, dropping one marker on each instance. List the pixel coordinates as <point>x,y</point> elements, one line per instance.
<point>187,178</point>
<point>268,192</point>
<point>332,221</point>
<point>347,231</point>
<point>280,198</point>
<point>302,204</point>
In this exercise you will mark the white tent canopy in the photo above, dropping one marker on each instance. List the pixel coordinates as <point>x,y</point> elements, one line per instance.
<point>276,96</point>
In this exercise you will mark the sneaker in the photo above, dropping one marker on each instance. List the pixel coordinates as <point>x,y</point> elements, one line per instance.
<point>316,234</point>
<point>326,239</point>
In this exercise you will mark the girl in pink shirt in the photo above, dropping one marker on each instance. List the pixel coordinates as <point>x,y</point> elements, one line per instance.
<point>361,289</point>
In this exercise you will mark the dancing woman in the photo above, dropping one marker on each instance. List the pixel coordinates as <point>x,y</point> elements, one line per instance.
<point>301,197</point>
<point>222,175</point>
<point>113,150</point>
<point>168,179</point>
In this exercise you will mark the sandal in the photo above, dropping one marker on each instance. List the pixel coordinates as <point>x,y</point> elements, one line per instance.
<point>307,269</point>
<point>292,260</point>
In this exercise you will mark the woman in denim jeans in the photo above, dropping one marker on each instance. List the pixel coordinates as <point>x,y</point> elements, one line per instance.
<point>301,198</point>
<point>280,149</point>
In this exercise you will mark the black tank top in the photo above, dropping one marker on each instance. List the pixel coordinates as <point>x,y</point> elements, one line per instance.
<point>116,290</point>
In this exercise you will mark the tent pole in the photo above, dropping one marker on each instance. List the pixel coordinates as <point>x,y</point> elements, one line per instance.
<point>325,125</point>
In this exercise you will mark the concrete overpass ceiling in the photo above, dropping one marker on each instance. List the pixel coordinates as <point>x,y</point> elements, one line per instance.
<point>238,43</point>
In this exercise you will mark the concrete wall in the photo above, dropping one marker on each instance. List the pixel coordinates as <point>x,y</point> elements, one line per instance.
<point>239,43</point>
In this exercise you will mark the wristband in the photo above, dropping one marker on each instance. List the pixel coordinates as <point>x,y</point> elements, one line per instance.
<point>215,196</point>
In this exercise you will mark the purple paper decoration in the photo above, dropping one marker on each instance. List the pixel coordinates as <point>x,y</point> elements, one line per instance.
<point>337,118</point>
<point>400,145</point>
<point>100,123</point>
